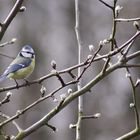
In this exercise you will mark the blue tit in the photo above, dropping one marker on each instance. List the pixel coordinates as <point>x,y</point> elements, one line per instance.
<point>22,66</point>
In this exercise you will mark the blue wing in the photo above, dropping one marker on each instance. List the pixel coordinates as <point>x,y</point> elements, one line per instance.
<point>15,67</point>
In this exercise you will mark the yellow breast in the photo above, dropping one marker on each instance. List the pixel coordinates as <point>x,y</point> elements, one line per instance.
<point>22,73</point>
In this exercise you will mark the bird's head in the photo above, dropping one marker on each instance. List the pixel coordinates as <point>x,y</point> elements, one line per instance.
<point>27,52</point>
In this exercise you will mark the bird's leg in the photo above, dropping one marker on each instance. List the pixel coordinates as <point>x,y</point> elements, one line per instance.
<point>17,85</point>
<point>27,82</point>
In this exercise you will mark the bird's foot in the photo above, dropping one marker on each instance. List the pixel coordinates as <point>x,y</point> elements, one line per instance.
<point>27,82</point>
<point>17,85</point>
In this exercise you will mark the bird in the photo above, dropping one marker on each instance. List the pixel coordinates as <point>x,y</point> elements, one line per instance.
<point>22,66</point>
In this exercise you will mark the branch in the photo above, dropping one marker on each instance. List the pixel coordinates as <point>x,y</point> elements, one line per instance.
<point>10,17</point>
<point>80,99</point>
<point>111,53</point>
<point>95,116</point>
<point>129,135</point>
<point>127,20</point>
<point>131,65</point>
<point>7,117</point>
<point>136,131</point>
<point>8,42</point>
<point>112,38</point>
<point>21,112</point>
<point>69,99</point>
<point>51,127</point>
<point>6,99</point>
<point>90,60</point>
<point>137,123</point>
<point>111,7</point>
<point>5,55</point>
<point>133,55</point>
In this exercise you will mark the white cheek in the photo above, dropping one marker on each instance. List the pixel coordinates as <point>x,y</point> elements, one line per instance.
<point>26,54</point>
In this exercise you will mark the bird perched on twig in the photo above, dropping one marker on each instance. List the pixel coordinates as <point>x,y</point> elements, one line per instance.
<point>22,66</point>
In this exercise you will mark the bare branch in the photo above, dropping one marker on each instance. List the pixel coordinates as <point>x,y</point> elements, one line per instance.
<point>7,117</point>
<point>127,20</point>
<point>80,99</point>
<point>10,57</point>
<point>136,131</point>
<point>109,67</point>
<point>69,99</point>
<point>111,7</point>
<point>111,53</point>
<point>6,99</point>
<point>132,56</point>
<point>95,116</point>
<point>90,61</point>
<point>112,38</point>
<point>137,123</point>
<point>10,17</point>
<point>52,127</point>
<point>21,112</point>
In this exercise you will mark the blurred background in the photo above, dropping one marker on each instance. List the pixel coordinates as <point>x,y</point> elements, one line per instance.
<point>48,25</point>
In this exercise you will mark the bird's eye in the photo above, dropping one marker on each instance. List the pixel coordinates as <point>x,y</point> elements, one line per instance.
<point>26,54</point>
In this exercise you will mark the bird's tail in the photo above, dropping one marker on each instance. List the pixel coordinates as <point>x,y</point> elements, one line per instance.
<point>3,77</point>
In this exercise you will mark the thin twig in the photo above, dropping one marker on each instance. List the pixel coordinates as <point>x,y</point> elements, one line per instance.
<point>132,56</point>
<point>5,55</point>
<point>8,42</point>
<point>52,127</point>
<point>131,65</point>
<point>90,61</point>
<point>80,98</point>
<point>10,17</point>
<point>128,48</point>
<point>102,57</point>
<point>111,7</point>
<point>95,116</point>
<point>21,112</point>
<point>127,20</point>
<point>69,99</point>
<point>6,99</point>
<point>8,117</point>
<point>60,79</point>
<point>136,131</point>
<point>112,38</point>
<point>137,122</point>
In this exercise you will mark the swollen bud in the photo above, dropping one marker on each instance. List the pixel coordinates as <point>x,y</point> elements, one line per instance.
<point>118,8</point>
<point>91,48</point>
<point>53,64</point>
<point>12,137</point>
<point>71,126</point>
<point>105,41</point>
<point>132,105</point>
<point>137,82</point>
<point>9,93</point>
<point>69,90</point>
<point>136,24</point>
<point>101,43</point>
<point>43,90</point>
<point>97,115</point>
<point>128,75</point>
<point>22,9</point>
<point>63,96</point>
<point>13,40</point>
<point>89,56</point>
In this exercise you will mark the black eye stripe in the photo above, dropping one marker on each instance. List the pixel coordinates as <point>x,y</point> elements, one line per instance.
<point>28,52</point>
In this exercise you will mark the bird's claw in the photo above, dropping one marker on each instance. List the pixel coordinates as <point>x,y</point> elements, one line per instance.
<point>27,82</point>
